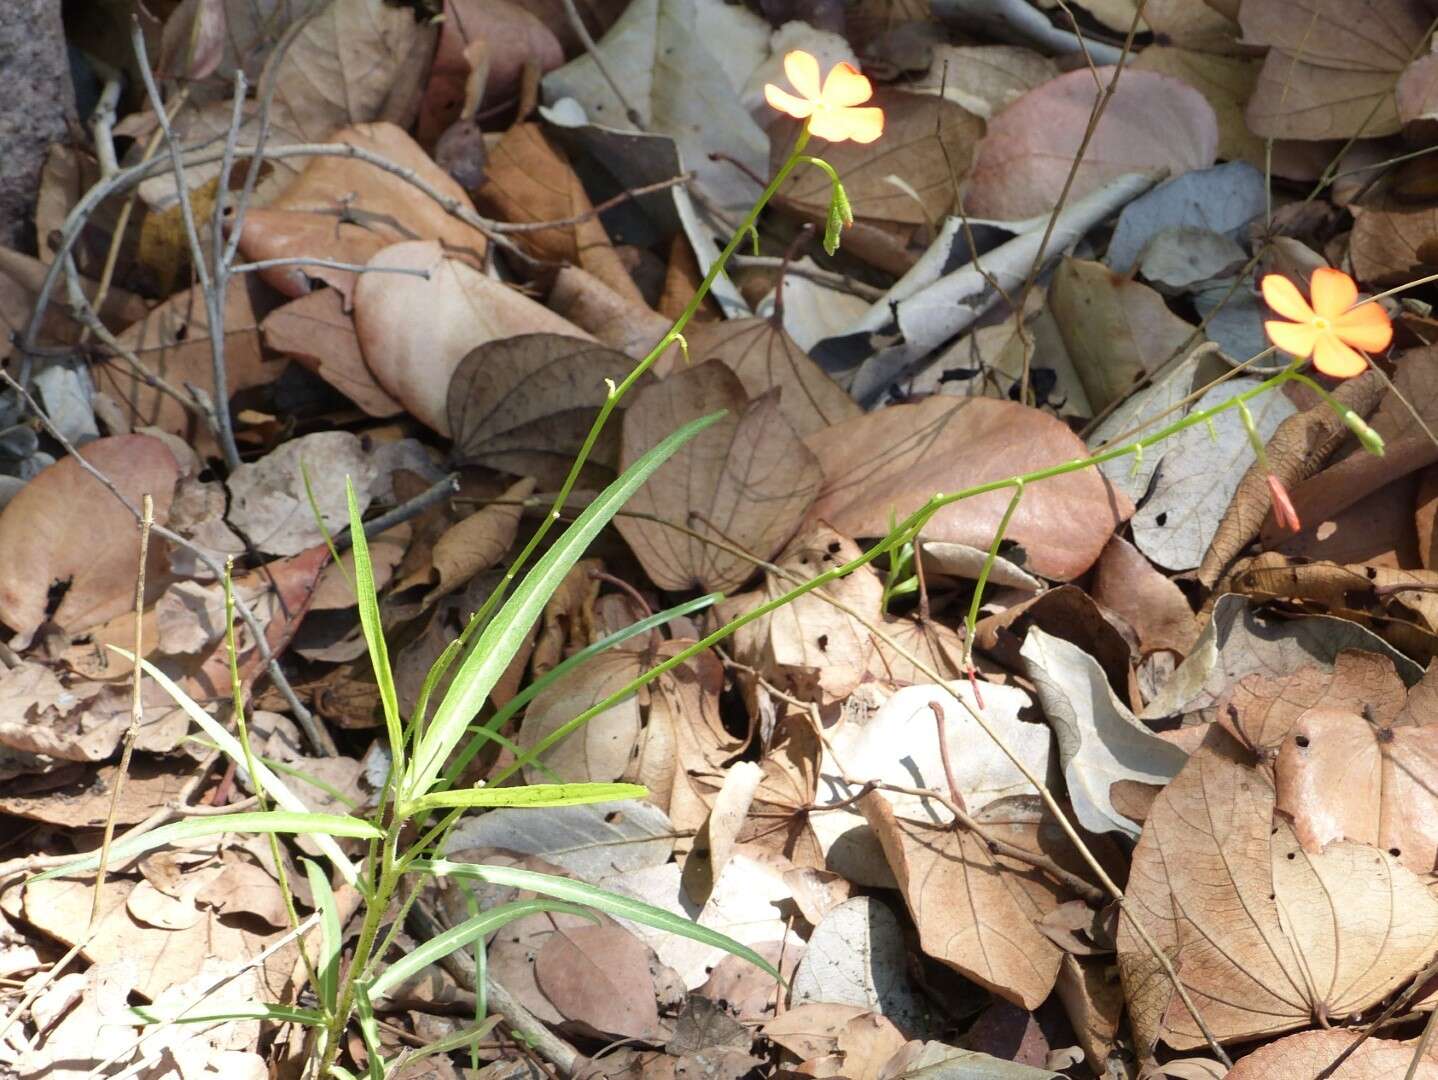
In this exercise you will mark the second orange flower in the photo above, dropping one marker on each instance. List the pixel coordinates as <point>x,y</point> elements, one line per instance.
<point>1331,329</point>
<point>831,109</point>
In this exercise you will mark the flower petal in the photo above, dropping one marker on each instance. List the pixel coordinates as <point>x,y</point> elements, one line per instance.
<point>1284,298</point>
<point>1296,338</point>
<point>1333,292</point>
<point>803,72</point>
<point>786,102</point>
<point>846,87</point>
<point>1332,357</point>
<point>864,125</point>
<point>1365,327</point>
<point>830,124</point>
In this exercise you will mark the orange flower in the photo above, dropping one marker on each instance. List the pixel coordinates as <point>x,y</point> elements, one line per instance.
<point>1329,330</point>
<point>830,110</point>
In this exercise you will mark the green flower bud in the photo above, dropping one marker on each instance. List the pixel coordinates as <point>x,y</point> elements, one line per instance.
<point>1371,440</point>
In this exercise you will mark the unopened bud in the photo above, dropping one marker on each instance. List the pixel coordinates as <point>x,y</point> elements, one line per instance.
<point>1371,440</point>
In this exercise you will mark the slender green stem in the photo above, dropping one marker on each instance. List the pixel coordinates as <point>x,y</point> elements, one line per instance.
<point>971,622</point>
<point>1255,440</point>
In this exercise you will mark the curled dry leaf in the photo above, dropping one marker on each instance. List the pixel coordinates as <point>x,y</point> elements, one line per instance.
<point>527,180</point>
<point>1341,776</point>
<point>1152,123</point>
<point>67,720</point>
<point>746,480</point>
<point>909,178</point>
<point>977,911</point>
<point>764,356</point>
<point>320,334</point>
<point>1310,1053</point>
<point>779,819</point>
<point>512,36</point>
<point>891,461</point>
<point>415,331</point>
<point>345,209</point>
<point>173,342</point>
<point>477,542</point>
<point>1263,935</point>
<point>64,531</point>
<point>714,842</point>
<point>1323,80</point>
<point>524,404</point>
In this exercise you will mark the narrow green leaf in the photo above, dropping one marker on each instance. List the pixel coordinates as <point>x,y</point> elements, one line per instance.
<point>271,821</point>
<point>503,714</point>
<point>246,1010</point>
<point>533,795</point>
<point>275,788</point>
<point>331,937</point>
<point>579,892</point>
<point>369,1032</point>
<point>374,629</point>
<point>502,638</point>
<point>457,937</point>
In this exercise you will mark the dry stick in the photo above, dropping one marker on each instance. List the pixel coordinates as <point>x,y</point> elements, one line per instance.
<point>213,288</point>
<point>514,228</point>
<point>331,264</point>
<point>314,731</point>
<point>1421,1050</point>
<point>840,282</point>
<point>1099,108</point>
<point>937,709</point>
<point>137,708</point>
<point>630,112</point>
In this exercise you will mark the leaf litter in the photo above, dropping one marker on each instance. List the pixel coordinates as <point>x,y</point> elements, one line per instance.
<point>1057,242</point>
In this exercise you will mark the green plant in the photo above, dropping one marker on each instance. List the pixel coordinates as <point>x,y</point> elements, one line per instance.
<point>421,800</point>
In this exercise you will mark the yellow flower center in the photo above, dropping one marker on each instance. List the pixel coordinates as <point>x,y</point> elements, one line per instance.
<point>1321,324</point>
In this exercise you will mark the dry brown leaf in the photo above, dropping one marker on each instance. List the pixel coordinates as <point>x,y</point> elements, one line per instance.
<point>1309,1053</point>
<point>345,209</point>
<point>818,650</point>
<point>1372,596</point>
<point>985,78</point>
<point>1261,709</point>
<point>684,739</point>
<point>631,327</point>
<point>764,356</point>
<point>1114,328</point>
<point>779,818</point>
<point>602,749</point>
<point>527,180</point>
<point>57,720</point>
<point>65,531</point>
<point>1152,122</point>
<point>524,404</point>
<point>1202,26</point>
<point>1341,776</point>
<point>84,800</point>
<point>512,36</point>
<point>1332,65</point>
<point>1299,448</point>
<point>1226,83</point>
<point>477,542</point>
<point>600,979</point>
<point>892,461</point>
<point>414,332</point>
<point>976,911</point>
<point>715,840</point>
<point>173,342</point>
<point>1393,244</point>
<point>938,647</point>
<point>1264,936</point>
<point>1127,583</point>
<point>908,178</point>
<point>1090,993</point>
<point>746,480</point>
<point>320,334</point>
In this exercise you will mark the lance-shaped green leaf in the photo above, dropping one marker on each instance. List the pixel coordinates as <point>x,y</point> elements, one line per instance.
<point>502,638</point>
<point>578,892</point>
<point>271,821</point>
<point>532,795</point>
<point>245,1010</point>
<point>457,937</point>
